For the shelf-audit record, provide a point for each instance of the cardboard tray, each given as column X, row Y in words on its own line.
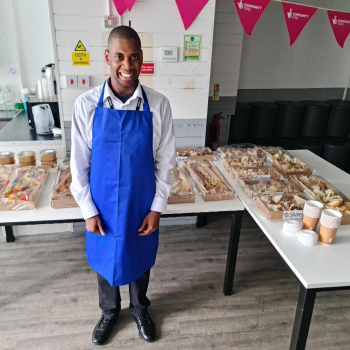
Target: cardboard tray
column 190, row 198
column 210, row 157
column 25, row 205
column 207, row 197
column 274, row 174
column 229, row 166
column 304, row 171
column 245, row 183
column 294, row 180
column 272, row 215
column 65, row 202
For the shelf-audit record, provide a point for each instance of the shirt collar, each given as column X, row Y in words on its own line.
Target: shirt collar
column 109, row 92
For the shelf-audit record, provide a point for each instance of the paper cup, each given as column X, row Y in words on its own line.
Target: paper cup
column 330, row 222
column 311, row 214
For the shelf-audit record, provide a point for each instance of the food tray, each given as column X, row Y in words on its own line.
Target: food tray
column 24, row 188
column 230, row 151
column 61, row 196
column 285, row 213
column 181, row 191
column 245, row 161
column 256, row 173
column 283, row 161
column 317, row 188
column 196, row 153
column 208, row 180
column 255, row 188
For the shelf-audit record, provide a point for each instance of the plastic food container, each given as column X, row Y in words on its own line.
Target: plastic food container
column 48, row 155
column 26, row 157
column 7, row 157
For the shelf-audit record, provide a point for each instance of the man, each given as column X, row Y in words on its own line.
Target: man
column 123, row 148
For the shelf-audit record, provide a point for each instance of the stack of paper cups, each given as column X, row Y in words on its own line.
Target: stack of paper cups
column 291, row 228
column 330, row 222
column 311, row 214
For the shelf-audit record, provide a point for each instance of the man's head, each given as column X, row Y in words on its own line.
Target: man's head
column 124, row 56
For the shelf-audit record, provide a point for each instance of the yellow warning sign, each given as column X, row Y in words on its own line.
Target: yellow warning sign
column 80, row 46
column 80, row 55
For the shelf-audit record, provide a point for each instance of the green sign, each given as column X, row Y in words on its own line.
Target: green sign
column 192, row 47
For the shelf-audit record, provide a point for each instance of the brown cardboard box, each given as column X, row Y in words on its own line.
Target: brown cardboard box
column 210, row 156
column 189, row 197
column 271, row 172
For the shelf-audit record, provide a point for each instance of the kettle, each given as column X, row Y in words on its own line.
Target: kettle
column 43, row 119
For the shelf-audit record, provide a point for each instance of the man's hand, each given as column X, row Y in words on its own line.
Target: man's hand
column 150, row 224
column 94, row 225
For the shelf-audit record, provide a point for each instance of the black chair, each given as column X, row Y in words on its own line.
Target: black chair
column 339, row 119
column 240, row 121
column 315, row 119
column 312, row 144
column 337, row 152
column 289, row 119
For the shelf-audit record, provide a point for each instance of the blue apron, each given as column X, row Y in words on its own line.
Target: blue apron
column 122, row 183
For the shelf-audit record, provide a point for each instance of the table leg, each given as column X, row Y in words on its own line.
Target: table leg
column 201, row 221
column 9, row 234
column 303, row 318
column 232, row 251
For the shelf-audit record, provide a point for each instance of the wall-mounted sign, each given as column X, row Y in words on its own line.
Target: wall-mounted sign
column 80, row 53
column 216, row 94
column 192, row 48
column 147, row 69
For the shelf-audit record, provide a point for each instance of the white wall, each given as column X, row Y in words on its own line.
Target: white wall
column 227, row 48
column 159, row 23
column 35, row 45
column 8, row 47
column 314, row 61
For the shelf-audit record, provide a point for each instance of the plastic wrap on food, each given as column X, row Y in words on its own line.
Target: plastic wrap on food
column 283, row 161
column 317, row 188
column 256, row 173
column 245, row 161
column 66, row 159
column 24, row 188
column 196, row 153
column 182, row 191
column 209, row 181
column 236, row 151
column 6, row 171
column 61, row 196
column 281, row 206
column 272, row 187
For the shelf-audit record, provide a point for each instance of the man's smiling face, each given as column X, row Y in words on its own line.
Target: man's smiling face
column 125, row 59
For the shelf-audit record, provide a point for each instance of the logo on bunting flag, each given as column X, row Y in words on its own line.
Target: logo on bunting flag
column 340, row 23
column 249, row 12
column 297, row 16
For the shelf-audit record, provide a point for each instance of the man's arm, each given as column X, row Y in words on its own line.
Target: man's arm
column 164, row 161
column 80, row 162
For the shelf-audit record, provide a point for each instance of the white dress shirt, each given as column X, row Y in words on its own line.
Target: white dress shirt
column 82, row 127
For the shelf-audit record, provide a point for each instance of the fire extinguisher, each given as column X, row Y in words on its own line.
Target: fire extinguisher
column 215, row 132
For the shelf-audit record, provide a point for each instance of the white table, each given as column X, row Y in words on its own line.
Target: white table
column 44, row 214
column 318, row 268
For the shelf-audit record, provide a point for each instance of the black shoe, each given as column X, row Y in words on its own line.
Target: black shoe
column 145, row 326
column 102, row 330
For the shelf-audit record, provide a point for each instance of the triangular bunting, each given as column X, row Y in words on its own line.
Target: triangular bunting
column 120, row 6
column 249, row 12
column 189, row 10
column 340, row 23
column 296, row 17
column 129, row 4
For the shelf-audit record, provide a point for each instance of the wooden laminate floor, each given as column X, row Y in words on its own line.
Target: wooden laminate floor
column 48, row 295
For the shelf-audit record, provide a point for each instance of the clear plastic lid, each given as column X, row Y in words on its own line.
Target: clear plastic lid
column 6, row 154
column 26, row 154
column 48, row 151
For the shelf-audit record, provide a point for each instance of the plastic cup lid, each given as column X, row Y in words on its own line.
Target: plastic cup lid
column 4, row 154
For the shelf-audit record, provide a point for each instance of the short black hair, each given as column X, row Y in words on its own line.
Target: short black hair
column 124, row 32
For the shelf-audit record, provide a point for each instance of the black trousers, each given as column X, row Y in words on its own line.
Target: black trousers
column 109, row 297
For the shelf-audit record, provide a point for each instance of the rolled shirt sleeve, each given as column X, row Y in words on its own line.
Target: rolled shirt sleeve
column 80, row 162
column 164, row 159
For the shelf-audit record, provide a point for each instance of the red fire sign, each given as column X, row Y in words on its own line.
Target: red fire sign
column 147, row 69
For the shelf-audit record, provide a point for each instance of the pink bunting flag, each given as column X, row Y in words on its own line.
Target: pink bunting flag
column 296, row 17
column 340, row 23
column 189, row 10
column 129, row 4
column 120, row 6
column 249, row 12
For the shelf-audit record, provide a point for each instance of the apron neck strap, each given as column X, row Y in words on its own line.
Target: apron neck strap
column 145, row 100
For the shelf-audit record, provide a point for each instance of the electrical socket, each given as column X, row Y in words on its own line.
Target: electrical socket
column 83, row 81
column 72, row 81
